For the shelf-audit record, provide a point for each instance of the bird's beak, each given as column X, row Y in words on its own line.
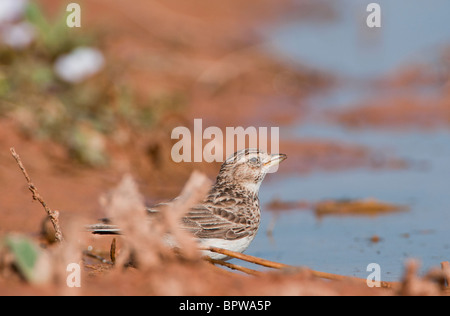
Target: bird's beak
column 274, row 160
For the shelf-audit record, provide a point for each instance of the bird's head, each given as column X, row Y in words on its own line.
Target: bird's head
column 248, row 167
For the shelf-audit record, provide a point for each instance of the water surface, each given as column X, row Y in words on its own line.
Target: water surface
column 412, row 31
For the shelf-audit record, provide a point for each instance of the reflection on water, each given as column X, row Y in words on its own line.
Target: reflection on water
column 412, row 30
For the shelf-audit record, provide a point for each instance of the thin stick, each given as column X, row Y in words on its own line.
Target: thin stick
column 99, row 258
column 234, row 266
column 112, row 251
column 276, row 265
column 53, row 215
column 220, row 270
column 248, row 258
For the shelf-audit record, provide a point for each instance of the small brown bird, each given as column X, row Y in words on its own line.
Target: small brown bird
column 229, row 217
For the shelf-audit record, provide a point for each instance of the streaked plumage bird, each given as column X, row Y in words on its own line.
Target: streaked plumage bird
column 229, row 216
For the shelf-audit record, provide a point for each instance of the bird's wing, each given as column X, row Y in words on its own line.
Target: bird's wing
column 208, row 221
column 203, row 221
column 212, row 221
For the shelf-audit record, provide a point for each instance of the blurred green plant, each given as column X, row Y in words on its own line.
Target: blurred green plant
column 31, row 262
column 81, row 116
column 54, row 38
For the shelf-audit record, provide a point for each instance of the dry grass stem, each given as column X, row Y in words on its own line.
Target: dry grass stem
column 112, row 251
column 98, row 257
column 53, row 215
column 235, row 267
column 248, row 258
column 276, row 265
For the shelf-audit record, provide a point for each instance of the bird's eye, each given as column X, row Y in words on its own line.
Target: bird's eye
column 254, row 160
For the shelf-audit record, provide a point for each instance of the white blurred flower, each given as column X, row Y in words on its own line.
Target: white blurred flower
column 19, row 35
column 11, row 10
column 79, row 65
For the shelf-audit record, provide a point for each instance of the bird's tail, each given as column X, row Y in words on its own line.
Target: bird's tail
column 103, row 228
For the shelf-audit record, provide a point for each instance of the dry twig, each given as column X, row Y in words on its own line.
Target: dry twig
column 234, row 266
column 98, row 257
column 53, row 215
column 112, row 251
column 276, row 265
